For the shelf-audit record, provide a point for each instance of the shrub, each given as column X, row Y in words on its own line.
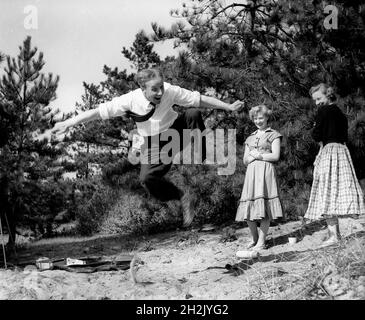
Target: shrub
column 357, row 144
column 134, row 214
column 214, row 198
column 40, row 204
column 295, row 200
column 91, row 211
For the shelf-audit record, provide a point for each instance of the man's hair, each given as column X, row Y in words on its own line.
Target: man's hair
column 145, row 75
column 261, row 108
column 327, row 90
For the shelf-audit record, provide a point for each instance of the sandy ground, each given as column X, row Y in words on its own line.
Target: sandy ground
column 192, row 265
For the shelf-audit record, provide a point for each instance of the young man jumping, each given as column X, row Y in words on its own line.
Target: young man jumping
column 150, row 107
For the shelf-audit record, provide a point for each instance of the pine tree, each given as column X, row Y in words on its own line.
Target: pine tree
column 141, row 53
column 25, row 94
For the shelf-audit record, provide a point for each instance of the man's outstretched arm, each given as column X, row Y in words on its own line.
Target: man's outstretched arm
column 83, row 117
column 214, row 103
column 61, row 128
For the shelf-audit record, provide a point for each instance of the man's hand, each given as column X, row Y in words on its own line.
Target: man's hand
column 57, row 133
column 236, row 106
column 60, row 128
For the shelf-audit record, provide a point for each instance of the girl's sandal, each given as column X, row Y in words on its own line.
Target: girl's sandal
column 251, row 245
column 259, row 248
column 329, row 242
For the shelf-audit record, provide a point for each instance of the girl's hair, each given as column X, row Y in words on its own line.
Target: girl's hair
column 327, row 90
column 261, row 108
column 145, row 75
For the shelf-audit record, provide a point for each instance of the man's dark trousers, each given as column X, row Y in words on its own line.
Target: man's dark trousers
column 152, row 174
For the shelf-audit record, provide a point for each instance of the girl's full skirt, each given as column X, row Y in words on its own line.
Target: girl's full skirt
column 335, row 189
column 260, row 196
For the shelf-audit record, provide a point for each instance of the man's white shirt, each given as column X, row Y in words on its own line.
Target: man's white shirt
column 164, row 115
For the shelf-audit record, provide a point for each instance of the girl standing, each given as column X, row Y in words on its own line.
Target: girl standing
column 260, row 202
column 335, row 191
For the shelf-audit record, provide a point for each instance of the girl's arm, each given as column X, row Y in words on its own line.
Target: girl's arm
column 274, row 155
column 247, row 158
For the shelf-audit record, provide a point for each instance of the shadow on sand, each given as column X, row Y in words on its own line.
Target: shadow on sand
column 288, row 256
column 300, row 233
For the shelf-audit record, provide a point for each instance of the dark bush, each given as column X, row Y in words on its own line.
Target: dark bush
column 92, row 210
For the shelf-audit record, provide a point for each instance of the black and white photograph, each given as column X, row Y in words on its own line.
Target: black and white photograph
column 191, row 151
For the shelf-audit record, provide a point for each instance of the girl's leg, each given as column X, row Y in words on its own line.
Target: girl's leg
column 263, row 230
column 334, row 230
column 254, row 233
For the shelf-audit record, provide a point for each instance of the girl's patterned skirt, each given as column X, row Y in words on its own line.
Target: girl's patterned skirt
column 260, row 195
column 335, row 189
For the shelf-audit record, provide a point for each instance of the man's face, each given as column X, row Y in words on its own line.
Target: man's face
column 153, row 90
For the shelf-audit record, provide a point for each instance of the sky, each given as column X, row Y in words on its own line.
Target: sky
column 79, row 37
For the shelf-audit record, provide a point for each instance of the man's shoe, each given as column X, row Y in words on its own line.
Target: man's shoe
column 188, row 213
